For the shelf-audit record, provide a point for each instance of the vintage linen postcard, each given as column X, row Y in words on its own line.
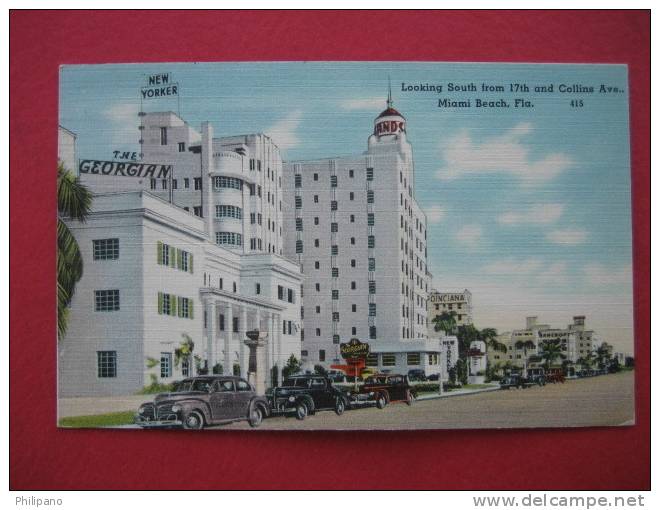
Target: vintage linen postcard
column 344, row 246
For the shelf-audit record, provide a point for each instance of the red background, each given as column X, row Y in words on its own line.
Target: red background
column 44, row 457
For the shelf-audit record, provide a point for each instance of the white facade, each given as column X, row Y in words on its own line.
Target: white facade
column 459, row 303
column 66, row 148
column 355, row 228
column 197, row 252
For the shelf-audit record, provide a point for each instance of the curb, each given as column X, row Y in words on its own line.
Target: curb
column 457, row 394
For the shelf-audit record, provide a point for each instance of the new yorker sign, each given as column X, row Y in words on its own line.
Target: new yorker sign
column 124, row 169
column 159, row 85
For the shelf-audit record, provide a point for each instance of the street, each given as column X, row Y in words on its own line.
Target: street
column 594, row 401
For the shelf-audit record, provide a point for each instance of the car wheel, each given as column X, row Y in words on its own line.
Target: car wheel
column 381, row 401
column 340, row 407
column 301, row 411
column 256, row 417
column 193, row 421
column 409, row 398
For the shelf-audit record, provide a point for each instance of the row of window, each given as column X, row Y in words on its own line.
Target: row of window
column 333, row 178
column 228, row 211
column 336, row 338
column 221, row 182
column 231, row 238
column 176, row 306
column 284, row 294
column 106, row 365
column 197, row 183
column 170, row 256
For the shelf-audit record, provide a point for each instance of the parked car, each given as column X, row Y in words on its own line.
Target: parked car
column 554, row 375
column 201, row 401
column 434, row 377
column 337, row 376
column 512, row 381
column 306, row 394
column 382, row 389
column 416, row 374
column 536, row 376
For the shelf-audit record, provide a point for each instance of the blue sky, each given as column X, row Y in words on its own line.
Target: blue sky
column 527, row 208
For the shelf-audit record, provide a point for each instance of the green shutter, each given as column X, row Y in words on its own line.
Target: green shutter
column 172, row 257
column 190, row 309
column 180, row 307
column 160, row 302
column 159, row 253
column 190, row 263
column 172, row 304
column 179, row 262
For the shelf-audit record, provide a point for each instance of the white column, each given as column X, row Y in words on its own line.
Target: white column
column 227, row 365
column 210, row 333
column 279, row 324
column 270, row 319
column 242, row 328
column 207, row 181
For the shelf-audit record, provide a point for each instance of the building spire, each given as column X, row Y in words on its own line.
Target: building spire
column 389, row 92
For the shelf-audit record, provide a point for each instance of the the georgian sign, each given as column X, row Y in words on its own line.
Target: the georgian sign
column 354, row 349
column 124, row 169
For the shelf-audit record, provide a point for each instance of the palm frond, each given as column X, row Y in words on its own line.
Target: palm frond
column 74, row 200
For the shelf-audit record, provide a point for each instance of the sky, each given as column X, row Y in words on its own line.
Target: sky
column 528, row 208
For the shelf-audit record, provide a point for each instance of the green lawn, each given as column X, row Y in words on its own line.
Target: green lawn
column 99, row 420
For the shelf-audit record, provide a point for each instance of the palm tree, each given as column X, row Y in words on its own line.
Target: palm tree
column 524, row 345
column 489, row 336
column 446, row 322
column 550, row 351
column 73, row 202
column 603, row 355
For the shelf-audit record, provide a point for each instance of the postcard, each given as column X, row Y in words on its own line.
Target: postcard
column 344, row 246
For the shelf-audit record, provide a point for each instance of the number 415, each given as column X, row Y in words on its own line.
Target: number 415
column 577, row 103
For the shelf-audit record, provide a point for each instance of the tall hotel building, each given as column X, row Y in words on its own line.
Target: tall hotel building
column 195, row 252
column 360, row 237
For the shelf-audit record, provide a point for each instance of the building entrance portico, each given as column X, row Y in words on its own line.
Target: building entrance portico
column 227, row 319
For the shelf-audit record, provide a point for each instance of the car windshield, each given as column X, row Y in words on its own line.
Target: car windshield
column 296, row 382
column 195, row 385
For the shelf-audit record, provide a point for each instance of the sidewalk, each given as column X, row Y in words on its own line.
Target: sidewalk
column 87, row 406
column 456, row 393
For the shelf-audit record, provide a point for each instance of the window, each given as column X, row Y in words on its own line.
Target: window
column 316, row 199
column 304, row 353
column 298, row 202
column 106, row 363
column 335, row 339
column 371, row 241
column 334, row 227
column 316, row 220
column 413, row 358
column 175, row 184
column 370, row 174
column 221, row 322
column 370, row 219
column 333, row 181
column 163, row 136
column 185, row 367
column 372, row 287
column 351, row 173
column 389, row 359
column 351, row 196
column 290, row 296
column 228, row 211
column 165, row 364
column 231, row 238
column 257, row 288
column 185, row 307
column 372, row 332
column 299, row 224
column 106, row 249
column 353, row 263
column 234, row 286
column 197, row 183
column 299, row 246
column 153, row 183
column 352, row 240
column 335, row 294
column 235, row 324
column 433, row 359
column 182, row 146
column 280, row 292
column 335, row 316
column 298, row 180
column 318, row 287
column 197, row 210
column 316, row 177
column 220, row 182
column 333, row 205
column 318, row 331
column 372, row 264
column 335, row 272
column 372, row 360
column 186, row 182
column 353, row 308
column 317, row 243
column 370, row 197
column 372, row 309
column 334, row 249
column 164, row 183
column 318, row 309
column 353, row 330
column 322, row 355
column 352, row 218
column 106, row 300
column 353, row 285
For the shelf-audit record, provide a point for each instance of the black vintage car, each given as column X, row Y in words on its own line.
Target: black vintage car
column 306, row 394
column 512, row 381
column 202, row 401
column 382, row 389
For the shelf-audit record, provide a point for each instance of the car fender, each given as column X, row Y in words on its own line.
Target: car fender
column 308, row 401
column 199, row 405
column 260, row 403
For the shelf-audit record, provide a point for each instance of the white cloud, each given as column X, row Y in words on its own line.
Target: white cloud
column 366, row 103
column 504, row 154
column 122, row 112
column 123, row 124
column 284, row 131
column 435, row 214
column 513, row 267
column 554, row 275
column 567, row 236
column 599, row 274
column 469, row 235
column 537, row 214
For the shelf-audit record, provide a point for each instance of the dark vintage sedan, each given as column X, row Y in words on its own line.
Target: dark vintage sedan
column 202, row 401
column 382, row 389
column 306, row 394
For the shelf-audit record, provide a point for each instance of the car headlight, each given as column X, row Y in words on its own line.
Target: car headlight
column 141, row 410
column 176, row 408
column 292, row 399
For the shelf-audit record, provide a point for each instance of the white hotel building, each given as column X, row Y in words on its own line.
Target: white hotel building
column 360, row 237
column 197, row 253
